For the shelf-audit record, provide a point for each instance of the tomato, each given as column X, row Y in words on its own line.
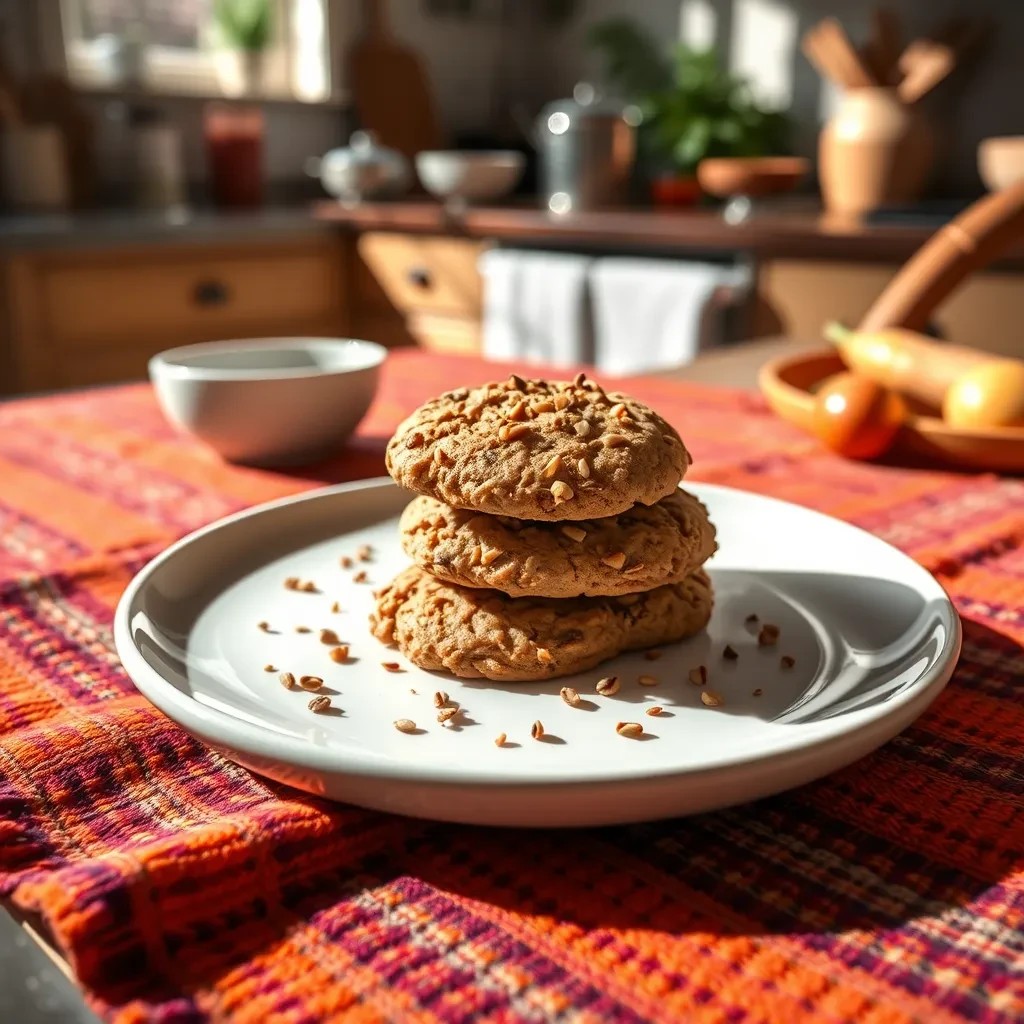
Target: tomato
column 856, row 417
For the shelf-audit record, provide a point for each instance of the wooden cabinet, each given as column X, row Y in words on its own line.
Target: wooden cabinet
column 95, row 316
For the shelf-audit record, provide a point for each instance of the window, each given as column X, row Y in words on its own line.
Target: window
column 172, row 46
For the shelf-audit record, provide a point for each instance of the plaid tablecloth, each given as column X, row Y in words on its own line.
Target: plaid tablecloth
column 181, row 887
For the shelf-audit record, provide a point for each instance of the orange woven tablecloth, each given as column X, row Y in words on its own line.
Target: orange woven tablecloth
column 183, row 888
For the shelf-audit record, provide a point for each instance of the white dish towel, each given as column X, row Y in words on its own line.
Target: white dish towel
column 650, row 314
column 536, row 307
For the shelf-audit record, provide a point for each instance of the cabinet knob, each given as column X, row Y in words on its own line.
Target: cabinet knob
column 418, row 277
column 210, row 293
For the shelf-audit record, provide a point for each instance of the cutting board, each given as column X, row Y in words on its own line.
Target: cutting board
column 390, row 87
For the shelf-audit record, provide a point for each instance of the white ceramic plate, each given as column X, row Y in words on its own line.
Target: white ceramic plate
column 873, row 636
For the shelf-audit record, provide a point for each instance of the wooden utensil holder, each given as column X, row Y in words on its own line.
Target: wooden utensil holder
column 875, row 150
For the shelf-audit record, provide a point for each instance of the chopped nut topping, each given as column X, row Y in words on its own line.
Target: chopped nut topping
column 616, row 560
column 490, row 555
column 291, row 583
column 655, row 711
column 583, row 468
column 440, row 698
column 269, row 668
column 303, row 629
column 364, row 552
column 542, row 406
column 710, row 698
column 339, row 653
column 335, row 607
column 544, row 656
column 582, row 428
column 537, row 729
column 309, row 587
column 287, row 680
column 768, row 636
column 619, row 410
column 570, row 696
column 647, row 680
column 615, row 440
column 751, row 619
column 518, row 412
column 510, row 431
column 637, row 567
column 265, row 626
column 698, row 676
column 562, row 402
column 561, row 491
column 552, row 467
column 391, row 666
column 499, row 740
column 758, row 692
column 405, row 725
column 730, row 653
column 652, row 655
column 360, row 577
column 446, row 714
column 517, row 382
column 786, row 661
column 345, row 562
column 608, row 686
column 574, row 533
column 631, row 730
column 318, row 705
column 310, row 682
column 476, row 555
column 329, row 637
column 579, row 379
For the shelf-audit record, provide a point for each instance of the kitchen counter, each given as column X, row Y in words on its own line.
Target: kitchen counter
column 786, row 229
column 142, row 227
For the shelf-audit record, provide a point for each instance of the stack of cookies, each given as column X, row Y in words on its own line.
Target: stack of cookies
column 549, row 533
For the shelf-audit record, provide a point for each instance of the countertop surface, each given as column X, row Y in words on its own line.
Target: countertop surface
column 786, row 228
column 140, row 227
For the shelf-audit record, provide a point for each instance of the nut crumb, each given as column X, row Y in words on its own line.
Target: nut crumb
column 499, row 740
column 582, row 428
column 490, row 555
column 583, row 468
column 440, row 698
column 655, row 711
column 345, row 562
column 608, row 686
column 265, row 626
column 711, row 699
column 291, row 583
column 318, row 705
column 361, row 577
column 391, row 666
column 646, row 680
column 562, row 402
column 615, row 440
column 516, row 382
column 518, row 412
column 310, row 682
column 618, row 410
column 269, row 668
column 631, row 730
column 405, row 725
column 364, row 552
column 730, row 653
column 575, row 533
column 751, row 619
column 309, row 587
column 329, row 637
column 339, row 653
column 698, row 676
column 552, row 467
column 543, row 406
column 758, row 692
column 287, row 680
column 303, row 629
column 652, row 655
column 579, row 379
column 561, row 491
column 544, row 656
column 537, row 729
column 335, row 607
column 510, row 431
column 412, row 691
column 786, row 661
column 768, row 636
column 616, row 560
column 570, row 696
column 446, row 714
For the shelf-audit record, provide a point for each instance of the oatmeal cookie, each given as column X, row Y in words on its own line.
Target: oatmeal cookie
column 640, row 549
column 535, row 449
column 485, row 634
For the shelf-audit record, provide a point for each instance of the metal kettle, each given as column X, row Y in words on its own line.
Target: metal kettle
column 586, row 146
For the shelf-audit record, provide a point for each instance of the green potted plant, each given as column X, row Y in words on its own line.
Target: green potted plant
column 243, row 30
column 692, row 108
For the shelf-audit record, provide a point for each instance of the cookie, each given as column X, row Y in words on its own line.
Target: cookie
column 484, row 634
column 642, row 548
column 538, row 450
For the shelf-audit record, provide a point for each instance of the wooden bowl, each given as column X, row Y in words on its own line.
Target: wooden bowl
column 750, row 176
column 789, row 383
column 1001, row 161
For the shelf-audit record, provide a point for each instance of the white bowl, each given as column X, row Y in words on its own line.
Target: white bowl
column 470, row 175
column 1001, row 161
column 269, row 401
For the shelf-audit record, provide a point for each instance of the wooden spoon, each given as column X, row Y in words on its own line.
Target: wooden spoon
column 924, row 64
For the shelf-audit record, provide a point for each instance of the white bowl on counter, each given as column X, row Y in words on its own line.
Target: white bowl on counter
column 269, row 401
column 473, row 176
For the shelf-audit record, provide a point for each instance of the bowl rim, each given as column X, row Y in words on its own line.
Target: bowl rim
column 165, row 364
column 492, row 156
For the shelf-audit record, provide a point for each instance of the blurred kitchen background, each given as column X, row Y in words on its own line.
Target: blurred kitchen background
column 568, row 181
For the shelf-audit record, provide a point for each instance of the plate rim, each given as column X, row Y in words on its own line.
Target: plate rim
column 234, row 735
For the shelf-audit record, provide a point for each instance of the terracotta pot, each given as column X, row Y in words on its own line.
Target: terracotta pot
column 874, row 151
column 675, row 190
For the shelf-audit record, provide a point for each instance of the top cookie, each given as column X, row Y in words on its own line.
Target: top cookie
column 534, row 449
